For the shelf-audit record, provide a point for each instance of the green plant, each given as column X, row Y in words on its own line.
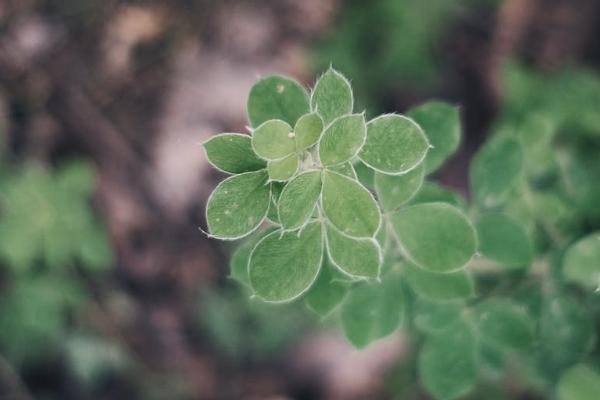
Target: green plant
column 512, row 291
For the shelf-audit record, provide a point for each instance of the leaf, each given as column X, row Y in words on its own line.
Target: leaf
column 441, row 123
column 504, row 324
column 298, row 199
column 582, row 262
column 327, row 292
column 565, row 333
column 434, row 317
column 277, row 97
column 579, row 383
column 366, row 176
column 395, row 190
column 284, row 266
column 308, row 130
column 283, row 169
column 342, row 139
column 447, row 363
column 442, row 287
column 238, row 264
column 435, row 236
column 349, row 206
column 504, row 240
column 373, row 310
column 238, row 205
column 494, row 169
column 345, row 169
column 432, row 192
column 394, row 145
column 273, row 140
column 276, row 189
column 359, row 258
column 332, row 96
column 232, row 153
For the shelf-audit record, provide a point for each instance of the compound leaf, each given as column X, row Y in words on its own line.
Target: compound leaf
column 395, row 144
column 284, row 266
column 342, row 139
column 273, row 140
column 582, row 261
column 308, row 130
column 232, row 153
column 436, row 236
column 277, row 97
column 332, row 96
column 238, row 205
column 373, row 310
column 359, row 258
column 504, row 240
column 395, row 190
column 441, row 123
column 441, row 287
column 349, row 206
column 283, row 169
column 298, row 199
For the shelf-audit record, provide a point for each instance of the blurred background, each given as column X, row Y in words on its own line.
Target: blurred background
column 108, row 289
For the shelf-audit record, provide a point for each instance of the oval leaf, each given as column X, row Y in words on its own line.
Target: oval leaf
column 442, row 287
column 434, row 317
column 436, row 236
column 579, row 383
column 232, row 153
column 238, row 205
column 298, row 199
column 373, row 310
column 447, row 363
column 504, row 240
column 441, row 123
column 349, row 206
column 332, row 96
column 282, row 267
column 277, row 97
column 342, row 139
column 582, row 262
column 395, row 144
column 308, row 130
column 359, row 258
column 273, row 140
column 504, row 325
column 328, row 291
column 395, row 190
column 283, row 169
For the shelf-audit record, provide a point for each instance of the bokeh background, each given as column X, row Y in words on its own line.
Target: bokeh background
column 108, row 289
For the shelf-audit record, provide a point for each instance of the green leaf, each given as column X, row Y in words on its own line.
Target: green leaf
column 579, row 383
column 366, row 176
column 359, row 258
column 504, row 324
column 283, row 169
column 345, row 169
column 276, row 189
column 504, row 240
column 328, row 291
column 434, row 317
column 349, row 206
column 373, row 310
column 284, row 266
column 442, row 287
column 494, row 169
column 308, row 130
column 394, row 145
column 298, row 199
column 395, row 190
column 277, row 97
column 342, row 139
column 435, row 236
column 582, row 262
column 238, row 205
column 273, row 140
column 238, row 264
column 432, row 192
column 447, row 363
column 441, row 123
column 332, row 96
column 565, row 333
column 232, row 153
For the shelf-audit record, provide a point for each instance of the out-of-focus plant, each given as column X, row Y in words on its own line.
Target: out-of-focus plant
column 361, row 234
